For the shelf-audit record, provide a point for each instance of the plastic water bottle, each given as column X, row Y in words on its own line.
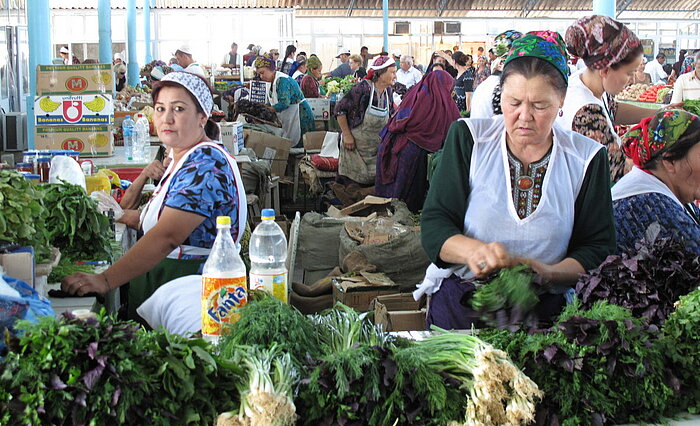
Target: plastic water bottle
column 128, row 131
column 223, row 283
column 141, row 139
column 268, row 254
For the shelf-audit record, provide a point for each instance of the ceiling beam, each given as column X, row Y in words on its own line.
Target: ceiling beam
column 528, row 7
column 623, row 6
column 441, row 7
column 351, row 7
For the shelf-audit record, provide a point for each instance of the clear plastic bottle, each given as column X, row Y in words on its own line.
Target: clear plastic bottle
column 224, row 288
column 268, row 254
column 128, row 131
column 141, row 139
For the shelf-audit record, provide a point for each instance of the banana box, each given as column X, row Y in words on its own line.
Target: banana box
column 74, row 79
column 90, row 141
column 73, row 110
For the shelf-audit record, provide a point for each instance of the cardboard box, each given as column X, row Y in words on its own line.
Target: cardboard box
column 358, row 291
column 74, row 79
column 73, row 110
column 232, row 136
column 399, row 312
column 321, row 108
column 269, row 147
column 313, row 141
column 90, row 141
column 19, row 264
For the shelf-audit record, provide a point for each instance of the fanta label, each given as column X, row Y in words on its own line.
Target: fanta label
column 221, row 299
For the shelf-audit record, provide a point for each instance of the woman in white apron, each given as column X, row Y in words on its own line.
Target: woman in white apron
column 362, row 115
column 200, row 183
column 664, row 182
column 286, row 98
column 516, row 189
column 611, row 52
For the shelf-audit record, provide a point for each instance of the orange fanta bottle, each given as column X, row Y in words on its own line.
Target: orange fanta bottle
column 224, row 288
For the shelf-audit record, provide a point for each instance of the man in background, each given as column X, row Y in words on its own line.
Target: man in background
column 344, row 68
column 231, row 58
column 407, row 74
column 656, row 68
column 184, row 58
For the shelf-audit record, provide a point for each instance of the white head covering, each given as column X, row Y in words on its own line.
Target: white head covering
column 194, row 85
column 64, row 50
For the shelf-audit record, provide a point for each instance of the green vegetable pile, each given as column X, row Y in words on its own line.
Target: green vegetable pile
column 67, row 267
column 681, row 344
column 352, row 373
column 692, row 105
column 507, row 301
column 596, row 366
column 105, row 371
column 21, row 214
column 339, row 84
column 74, row 223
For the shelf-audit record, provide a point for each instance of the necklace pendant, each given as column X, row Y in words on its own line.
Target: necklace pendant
column 525, row 183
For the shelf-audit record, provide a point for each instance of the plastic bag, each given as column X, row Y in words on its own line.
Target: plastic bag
column 106, row 203
column 67, row 169
column 28, row 306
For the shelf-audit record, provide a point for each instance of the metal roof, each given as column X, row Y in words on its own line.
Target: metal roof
column 439, row 9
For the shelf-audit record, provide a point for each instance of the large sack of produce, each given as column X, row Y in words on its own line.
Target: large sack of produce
column 401, row 258
column 319, row 239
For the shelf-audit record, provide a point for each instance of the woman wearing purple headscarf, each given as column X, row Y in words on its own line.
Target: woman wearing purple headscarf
column 418, row 128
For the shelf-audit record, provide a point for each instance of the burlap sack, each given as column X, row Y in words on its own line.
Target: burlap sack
column 401, row 259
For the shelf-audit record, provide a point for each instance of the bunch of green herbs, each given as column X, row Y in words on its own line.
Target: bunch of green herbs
column 681, row 344
column 22, row 214
column 508, row 300
column 74, row 223
column 595, row 366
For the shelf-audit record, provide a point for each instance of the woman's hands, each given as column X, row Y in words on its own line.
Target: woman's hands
column 131, row 218
column 485, row 258
column 348, row 141
column 81, row 284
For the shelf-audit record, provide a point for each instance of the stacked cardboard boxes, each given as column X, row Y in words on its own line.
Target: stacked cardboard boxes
column 74, row 108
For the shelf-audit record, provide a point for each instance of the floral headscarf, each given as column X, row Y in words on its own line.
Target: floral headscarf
column 265, row 61
column 688, row 64
column 545, row 45
column 313, row 62
column 379, row 64
column 504, row 41
column 600, row 41
column 655, row 133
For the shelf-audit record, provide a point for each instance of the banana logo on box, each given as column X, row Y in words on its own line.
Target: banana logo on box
column 96, row 105
column 102, row 78
column 47, row 105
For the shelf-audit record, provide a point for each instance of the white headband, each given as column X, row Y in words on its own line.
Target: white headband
column 194, row 85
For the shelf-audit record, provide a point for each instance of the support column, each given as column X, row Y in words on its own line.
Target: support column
column 604, row 7
column 147, row 29
column 39, row 34
column 133, row 69
column 104, row 22
column 385, row 13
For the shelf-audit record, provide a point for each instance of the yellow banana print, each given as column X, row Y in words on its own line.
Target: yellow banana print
column 48, row 105
column 96, row 105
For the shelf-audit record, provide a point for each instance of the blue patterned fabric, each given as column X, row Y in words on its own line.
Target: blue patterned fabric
column 289, row 93
column 205, row 185
column 634, row 214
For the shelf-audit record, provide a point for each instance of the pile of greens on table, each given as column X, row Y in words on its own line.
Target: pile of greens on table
column 53, row 215
column 274, row 367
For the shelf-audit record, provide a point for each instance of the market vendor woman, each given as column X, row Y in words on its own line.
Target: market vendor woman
column 286, row 98
column 516, row 189
column 179, row 222
column 362, row 114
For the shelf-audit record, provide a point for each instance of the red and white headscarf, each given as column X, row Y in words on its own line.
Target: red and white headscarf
column 379, row 64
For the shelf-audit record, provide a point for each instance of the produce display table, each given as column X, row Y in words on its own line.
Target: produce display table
column 645, row 104
column 118, row 160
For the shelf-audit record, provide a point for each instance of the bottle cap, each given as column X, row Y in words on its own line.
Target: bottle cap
column 268, row 214
column 128, row 117
column 223, row 220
